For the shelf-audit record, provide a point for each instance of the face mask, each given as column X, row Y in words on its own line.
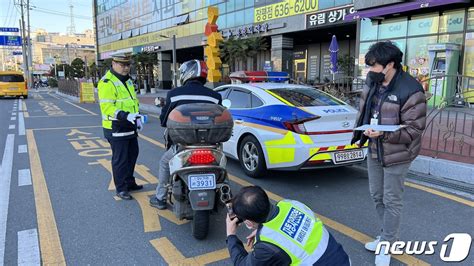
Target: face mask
column 376, row 77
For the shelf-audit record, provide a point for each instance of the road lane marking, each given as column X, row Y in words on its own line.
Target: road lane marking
column 5, row 182
column 13, row 118
column 13, row 114
column 61, row 128
column 83, row 109
column 25, row 110
column 50, row 243
column 21, row 105
column 352, row 233
column 157, row 143
column 21, row 125
column 43, row 116
column 441, row 194
column 28, row 249
column 24, row 177
column 11, row 127
column 22, row 148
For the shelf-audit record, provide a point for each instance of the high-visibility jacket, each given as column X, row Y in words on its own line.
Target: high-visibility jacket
column 114, row 97
column 297, row 231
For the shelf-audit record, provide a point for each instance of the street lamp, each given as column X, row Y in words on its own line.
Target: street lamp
column 174, row 58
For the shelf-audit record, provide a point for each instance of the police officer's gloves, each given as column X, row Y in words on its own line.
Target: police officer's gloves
column 139, row 123
column 133, row 117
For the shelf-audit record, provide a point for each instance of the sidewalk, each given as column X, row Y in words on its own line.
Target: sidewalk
column 147, row 101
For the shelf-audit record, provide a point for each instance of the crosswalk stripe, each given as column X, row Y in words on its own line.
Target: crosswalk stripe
column 22, row 148
column 28, row 248
column 11, row 127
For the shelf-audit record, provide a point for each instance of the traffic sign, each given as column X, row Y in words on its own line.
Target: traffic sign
column 3, row 29
column 10, row 40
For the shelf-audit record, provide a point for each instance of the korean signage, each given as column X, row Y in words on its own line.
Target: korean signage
column 9, row 29
column 87, row 92
column 283, row 9
column 328, row 17
column 10, row 40
column 245, row 31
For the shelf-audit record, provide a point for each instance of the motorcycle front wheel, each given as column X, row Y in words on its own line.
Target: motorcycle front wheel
column 200, row 224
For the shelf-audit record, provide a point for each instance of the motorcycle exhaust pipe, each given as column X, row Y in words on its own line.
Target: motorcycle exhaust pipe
column 225, row 196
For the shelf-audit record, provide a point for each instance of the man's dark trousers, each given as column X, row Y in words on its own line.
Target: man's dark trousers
column 124, row 158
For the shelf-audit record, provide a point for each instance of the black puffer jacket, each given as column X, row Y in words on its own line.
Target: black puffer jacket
column 403, row 103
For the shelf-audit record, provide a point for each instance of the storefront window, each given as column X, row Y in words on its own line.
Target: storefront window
column 452, row 21
column 221, row 22
column 363, row 69
column 393, row 28
column 230, row 5
column 230, row 20
column 421, row 25
column 470, row 19
column 221, row 8
column 417, row 56
column 239, row 4
column 451, row 38
column 249, row 3
column 368, row 30
column 469, row 55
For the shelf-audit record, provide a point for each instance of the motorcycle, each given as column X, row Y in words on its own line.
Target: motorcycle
column 199, row 182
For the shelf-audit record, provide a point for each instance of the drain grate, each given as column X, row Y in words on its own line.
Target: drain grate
column 466, row 188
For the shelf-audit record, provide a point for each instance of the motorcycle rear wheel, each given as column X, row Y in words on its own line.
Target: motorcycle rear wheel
column 200, row 224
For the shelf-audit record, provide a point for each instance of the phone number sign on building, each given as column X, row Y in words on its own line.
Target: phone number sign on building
column 328, row 17
column 283, row 9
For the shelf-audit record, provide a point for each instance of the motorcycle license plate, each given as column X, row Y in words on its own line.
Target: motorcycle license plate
column 202, row 181
column 348, row 156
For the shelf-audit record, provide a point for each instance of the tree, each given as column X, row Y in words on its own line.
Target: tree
column 77, row 66
column 144, row 63
column 346, row 64
column 237, row 50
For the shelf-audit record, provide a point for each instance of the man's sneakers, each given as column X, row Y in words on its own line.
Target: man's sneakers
column 159, row 204
column 372, row 246
column 124, row 195
column 381, row 259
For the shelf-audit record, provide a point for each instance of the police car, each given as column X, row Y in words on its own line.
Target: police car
column 283, row 126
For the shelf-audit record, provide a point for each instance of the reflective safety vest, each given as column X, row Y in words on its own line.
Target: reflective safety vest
column 114, row 97
column 297, row 231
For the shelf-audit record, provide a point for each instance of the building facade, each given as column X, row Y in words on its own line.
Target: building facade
column 415, row 26
column 298, row 31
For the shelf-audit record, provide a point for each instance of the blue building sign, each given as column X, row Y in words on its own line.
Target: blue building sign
column 10, row 40
column 2, row 29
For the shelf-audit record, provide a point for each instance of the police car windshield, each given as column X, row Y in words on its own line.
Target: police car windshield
column 305, row 97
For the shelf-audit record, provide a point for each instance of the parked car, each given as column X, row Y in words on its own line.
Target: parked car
column 283, row 126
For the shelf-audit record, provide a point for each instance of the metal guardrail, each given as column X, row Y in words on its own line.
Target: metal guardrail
column 69, row 87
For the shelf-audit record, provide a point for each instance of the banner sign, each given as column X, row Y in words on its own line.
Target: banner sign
column 329, row 17
column 87, row 92
column 283, row 9
column 2, row 29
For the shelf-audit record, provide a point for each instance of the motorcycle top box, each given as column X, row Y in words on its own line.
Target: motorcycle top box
column 199, row 123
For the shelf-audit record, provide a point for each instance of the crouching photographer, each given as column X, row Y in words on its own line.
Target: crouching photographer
column 282, row 234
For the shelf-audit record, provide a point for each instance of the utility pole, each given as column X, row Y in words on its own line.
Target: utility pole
column 175, row 74
column 23, row 35
column 30, row 54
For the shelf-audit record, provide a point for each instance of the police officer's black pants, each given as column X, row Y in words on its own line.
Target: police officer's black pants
column 124, row 158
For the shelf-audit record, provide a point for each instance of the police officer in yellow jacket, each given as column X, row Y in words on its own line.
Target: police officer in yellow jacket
column 287, row 233
column 120, row 120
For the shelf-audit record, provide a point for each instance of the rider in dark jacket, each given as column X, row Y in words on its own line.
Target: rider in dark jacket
column 192, row 74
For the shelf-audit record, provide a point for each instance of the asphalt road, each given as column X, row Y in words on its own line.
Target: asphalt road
column 58, row 206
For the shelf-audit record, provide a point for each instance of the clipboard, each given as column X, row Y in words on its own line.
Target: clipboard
column 383, row 128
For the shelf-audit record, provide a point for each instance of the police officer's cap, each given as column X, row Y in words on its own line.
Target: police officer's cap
column 122, row 58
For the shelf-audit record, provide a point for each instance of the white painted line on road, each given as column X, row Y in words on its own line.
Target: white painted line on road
column 21, row 105
column 11, row 127
column 24, row 177
column 28, row 248
column 13, row 118
column 22, row 148
column 21, row 125
column 13, row 114
column 5, row 181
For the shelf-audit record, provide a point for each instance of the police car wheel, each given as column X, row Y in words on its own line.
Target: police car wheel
column 251, row 157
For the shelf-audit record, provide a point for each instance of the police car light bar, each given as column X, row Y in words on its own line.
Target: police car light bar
column 259, row 76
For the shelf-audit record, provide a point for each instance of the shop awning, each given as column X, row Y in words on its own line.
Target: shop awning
column 399, row 8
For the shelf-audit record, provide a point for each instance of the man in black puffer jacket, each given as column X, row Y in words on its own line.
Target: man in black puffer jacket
column 192, row 74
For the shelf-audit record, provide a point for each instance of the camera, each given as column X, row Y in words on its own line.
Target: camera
column 231, row 213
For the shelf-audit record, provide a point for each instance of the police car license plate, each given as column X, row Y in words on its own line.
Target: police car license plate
column 202, row 181
column 348, row 156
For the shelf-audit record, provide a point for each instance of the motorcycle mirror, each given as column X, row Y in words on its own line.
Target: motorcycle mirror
column 160, row 101
column 226, row 103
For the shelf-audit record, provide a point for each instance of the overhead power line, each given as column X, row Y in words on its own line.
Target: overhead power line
column 59, row 13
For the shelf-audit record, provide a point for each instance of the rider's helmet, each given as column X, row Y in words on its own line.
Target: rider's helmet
column 193, row 70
